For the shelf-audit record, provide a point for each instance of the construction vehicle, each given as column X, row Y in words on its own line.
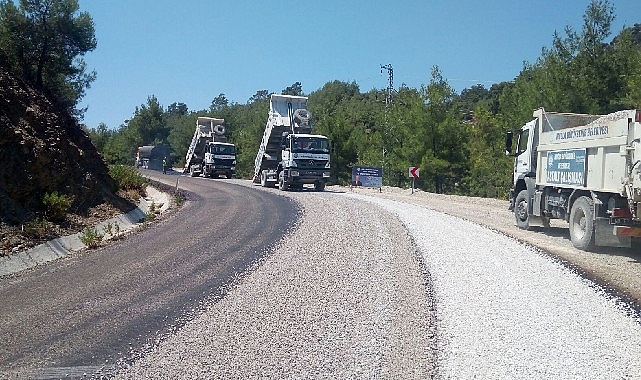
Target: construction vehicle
column 153, row 156
column 289, row 155
column 584, row 169
column 209, row 153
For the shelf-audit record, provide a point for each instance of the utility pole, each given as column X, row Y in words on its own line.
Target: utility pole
column 390, row 84
column 388, row 102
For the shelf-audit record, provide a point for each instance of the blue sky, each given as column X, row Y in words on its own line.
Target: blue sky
column 190, row 51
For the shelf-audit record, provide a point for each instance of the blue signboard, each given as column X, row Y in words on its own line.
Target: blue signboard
column 367, row 176
column 566, row 167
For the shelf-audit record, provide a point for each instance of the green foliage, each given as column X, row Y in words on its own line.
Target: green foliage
column 128, row 178
column 38, row 229
column 181, row 131
column 295, row 89
column 245, row 127
column 91, row 237
column 151, row 214
column 56, row 205
column 219, row 103
column 44, row 41
column 100, row 136
column 489, row 173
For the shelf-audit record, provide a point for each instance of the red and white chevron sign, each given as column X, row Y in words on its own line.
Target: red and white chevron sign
column 414, row 171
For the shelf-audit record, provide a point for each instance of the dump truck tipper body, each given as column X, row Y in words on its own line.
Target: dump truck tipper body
column 209, row 152
column 289, row 155
column 585, row 169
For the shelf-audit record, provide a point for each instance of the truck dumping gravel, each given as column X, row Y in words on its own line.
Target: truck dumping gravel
column 366, row 287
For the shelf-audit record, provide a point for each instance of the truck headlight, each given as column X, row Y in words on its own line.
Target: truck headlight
column 326, row 174
column 327, row 165
column 294, row 173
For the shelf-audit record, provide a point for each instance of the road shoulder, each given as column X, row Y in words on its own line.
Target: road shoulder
column 156, row 202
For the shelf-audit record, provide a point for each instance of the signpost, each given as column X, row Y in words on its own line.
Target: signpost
column 414, row 170
column 367, row 176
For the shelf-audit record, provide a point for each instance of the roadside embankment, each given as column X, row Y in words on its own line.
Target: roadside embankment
column 156, row 202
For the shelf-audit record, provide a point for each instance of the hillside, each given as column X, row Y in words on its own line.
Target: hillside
column 44, row 149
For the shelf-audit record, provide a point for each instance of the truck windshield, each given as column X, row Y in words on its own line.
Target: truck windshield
column 223, row 149
column 310, row 145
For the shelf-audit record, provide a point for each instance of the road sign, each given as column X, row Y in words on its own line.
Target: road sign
column 367, row 176
column 414, row 171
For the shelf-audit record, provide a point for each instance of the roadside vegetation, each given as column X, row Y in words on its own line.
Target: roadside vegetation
column 131, row 184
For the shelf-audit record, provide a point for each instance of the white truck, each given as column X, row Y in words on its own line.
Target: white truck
column 209, row 152
column 584, row 169
column 289, row 155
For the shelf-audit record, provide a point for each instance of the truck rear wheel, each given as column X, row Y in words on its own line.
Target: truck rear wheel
column 582, row 223
column 521, row 210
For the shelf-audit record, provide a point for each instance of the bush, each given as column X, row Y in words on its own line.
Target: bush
column 38, row 229
column 56, row 205
column 127, row 178
column 91, row 237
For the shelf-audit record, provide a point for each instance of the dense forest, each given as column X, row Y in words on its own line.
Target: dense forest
column 456, row 139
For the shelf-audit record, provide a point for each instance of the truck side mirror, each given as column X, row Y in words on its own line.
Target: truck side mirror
column 508, row 143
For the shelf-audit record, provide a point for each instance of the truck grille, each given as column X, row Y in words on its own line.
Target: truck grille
column 311, row 164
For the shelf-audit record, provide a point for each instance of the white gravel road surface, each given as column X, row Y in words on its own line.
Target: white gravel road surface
column 373, row 288
column 505, row 311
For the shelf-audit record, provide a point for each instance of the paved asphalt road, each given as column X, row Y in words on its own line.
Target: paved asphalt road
column 90, row 310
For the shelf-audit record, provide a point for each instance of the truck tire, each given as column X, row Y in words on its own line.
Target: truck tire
column 319, row 186
column 263, row 179
column 282, row 185
column 582, row 223
column 521, row 210
column 191, row 171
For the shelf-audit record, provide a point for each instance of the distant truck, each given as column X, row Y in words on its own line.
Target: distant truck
column 209, row 153
column 584, row 169
column 152, row 156
column 289, row 155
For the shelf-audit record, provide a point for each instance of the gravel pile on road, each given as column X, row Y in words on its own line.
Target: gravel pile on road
column 506, row 311
column 343, row 296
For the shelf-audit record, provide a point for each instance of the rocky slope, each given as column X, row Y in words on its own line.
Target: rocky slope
column 44, row 149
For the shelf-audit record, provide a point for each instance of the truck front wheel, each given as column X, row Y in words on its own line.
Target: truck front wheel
column 582, row 223
column 263, row 179
column 521, row 210
column 282, row 185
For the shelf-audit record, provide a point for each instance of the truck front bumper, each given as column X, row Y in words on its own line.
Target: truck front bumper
column 307, row 176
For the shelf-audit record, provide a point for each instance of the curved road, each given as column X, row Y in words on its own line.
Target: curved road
column 85, row 312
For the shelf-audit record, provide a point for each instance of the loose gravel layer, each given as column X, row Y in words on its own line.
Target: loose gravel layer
column 368, row 287
column 344, row 296
column 506, row 311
